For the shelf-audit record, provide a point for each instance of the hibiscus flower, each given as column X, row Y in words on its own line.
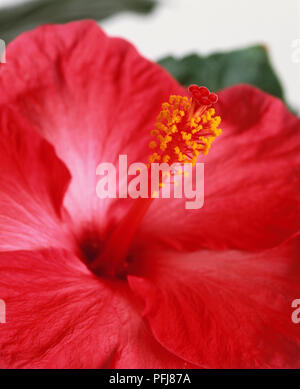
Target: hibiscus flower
column 208, row 288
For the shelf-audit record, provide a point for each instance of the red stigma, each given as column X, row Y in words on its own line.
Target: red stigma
column 202, row 96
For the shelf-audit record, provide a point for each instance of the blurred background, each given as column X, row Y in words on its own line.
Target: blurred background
column 217, row 43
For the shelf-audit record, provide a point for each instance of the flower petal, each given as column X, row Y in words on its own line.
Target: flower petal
column 58, row 315
column 226, row 309
column 91, row 96
column 251, row 180
column 33, row 182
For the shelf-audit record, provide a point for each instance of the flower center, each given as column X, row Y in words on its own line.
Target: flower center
column 89, row 245
column 185, row 127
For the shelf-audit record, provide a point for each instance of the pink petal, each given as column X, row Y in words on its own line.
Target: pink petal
column 228, row 309
column 91, row 96
column 58, row 315
column 33, row 182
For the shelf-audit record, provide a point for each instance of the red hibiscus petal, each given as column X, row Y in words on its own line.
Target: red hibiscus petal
column 228, row 309
column 32, row 185
column 91, row 96
column 58, row 315
column 252, row 180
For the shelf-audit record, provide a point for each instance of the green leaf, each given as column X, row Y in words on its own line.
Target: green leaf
column 220, row 70
column 17, row 19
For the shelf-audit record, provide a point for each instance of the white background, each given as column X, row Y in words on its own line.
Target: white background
column 180, row 27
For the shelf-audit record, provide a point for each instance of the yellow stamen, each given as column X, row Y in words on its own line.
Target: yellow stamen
column 183, row 130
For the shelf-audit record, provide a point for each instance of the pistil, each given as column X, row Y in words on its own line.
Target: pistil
column 185, row 127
